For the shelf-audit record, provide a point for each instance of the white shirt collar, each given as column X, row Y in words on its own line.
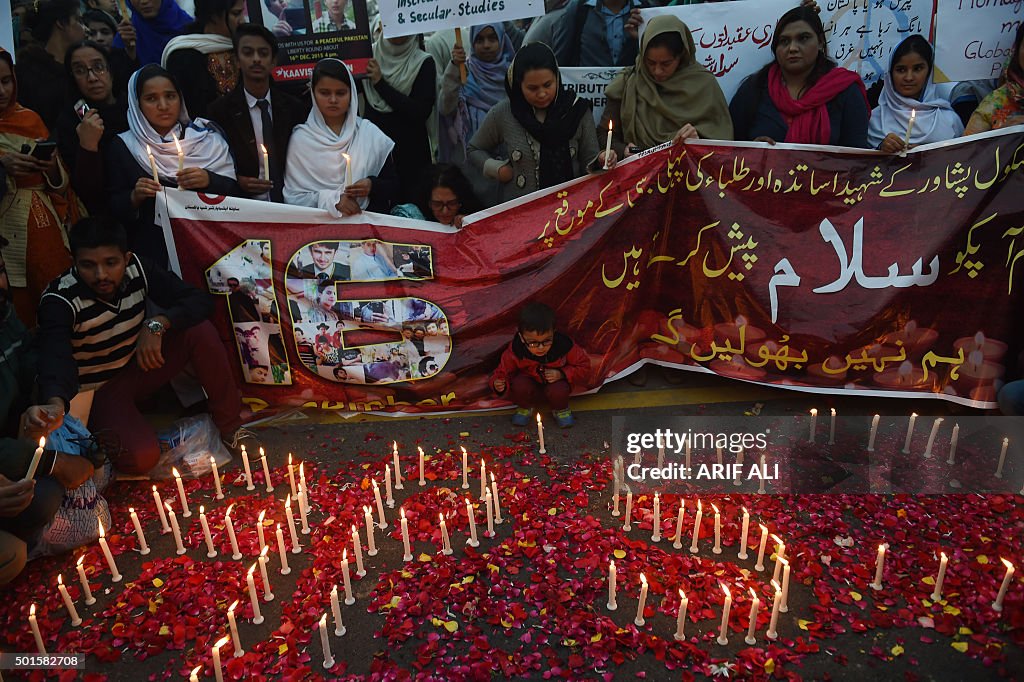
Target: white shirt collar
column 251, row 100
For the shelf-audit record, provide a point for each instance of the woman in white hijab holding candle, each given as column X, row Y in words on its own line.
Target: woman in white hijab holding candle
column 337, row 161
column 163, row 147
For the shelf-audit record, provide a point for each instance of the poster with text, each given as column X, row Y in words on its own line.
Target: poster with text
column 590, row 82
column 409, row 17
column 974, row 38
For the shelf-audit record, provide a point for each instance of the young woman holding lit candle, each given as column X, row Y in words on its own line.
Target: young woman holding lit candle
column 158, row 125
column 317, row 174
column 909, row 91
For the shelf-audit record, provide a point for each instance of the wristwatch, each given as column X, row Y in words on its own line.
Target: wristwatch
column 155, row 326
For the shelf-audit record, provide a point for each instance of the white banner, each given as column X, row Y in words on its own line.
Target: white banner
column 973, row 38
column 6, row 28
column 409, row 17
column 589, row 82
column 734, row 38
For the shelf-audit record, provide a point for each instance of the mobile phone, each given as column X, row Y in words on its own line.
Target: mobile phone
column 44, row 150
column 81, row 109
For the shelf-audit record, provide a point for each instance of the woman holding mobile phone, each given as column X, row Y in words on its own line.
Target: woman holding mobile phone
column 38, row 204
column 85, row 128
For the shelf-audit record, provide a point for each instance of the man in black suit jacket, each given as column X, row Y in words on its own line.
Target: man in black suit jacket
column 245, row 112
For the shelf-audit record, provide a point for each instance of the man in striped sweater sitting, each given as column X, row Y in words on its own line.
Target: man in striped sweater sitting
column 95, row 335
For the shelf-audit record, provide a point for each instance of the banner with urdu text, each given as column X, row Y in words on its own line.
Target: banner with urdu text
column 819, row 269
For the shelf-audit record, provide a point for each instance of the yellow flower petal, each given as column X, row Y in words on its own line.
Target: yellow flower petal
column 960, row 646
column 451, row 626
column 804, row 623
column 282, row 650
column 982, row 559
column 769, row 666
column 897, row 650
column 157, row 582
column 619, row 554
column 856, row 596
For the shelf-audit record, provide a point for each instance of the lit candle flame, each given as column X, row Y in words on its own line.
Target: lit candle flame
column 752, row 593
column 202, row 512
column 775, row 584
column 420, row 449
column 344, row 555
column 463, row 447
column 373, row 482
column 942, row 554
column 175, row 472
column 263, row 554
column 814, row 412
column 195, row 671
column 42, row 442
column 262, row 454
column 699, row 507
column 32, row 611
column 441, row 517
column 682, row 595
column 262, row 514
column 1006, row 563
column 60, row 579
column 177, row 144
column 252, row 569
column 100, row 524
column 233, row 605
column 643, row 578
column 221, row 642
column 228, row 512
column 725, row 590
column 714, row 507
column 402, row 510
column 764, row 528
column 744, row 510
column 80, row 560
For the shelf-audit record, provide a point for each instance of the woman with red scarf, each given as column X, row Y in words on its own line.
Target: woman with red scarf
column 802, row 96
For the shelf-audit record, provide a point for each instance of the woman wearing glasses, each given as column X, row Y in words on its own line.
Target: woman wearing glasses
column 445, row 196
column 91, row 118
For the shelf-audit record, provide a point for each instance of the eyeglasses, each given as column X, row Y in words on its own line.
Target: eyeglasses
column 537, row 344
column 97, row 69
column 446, row 205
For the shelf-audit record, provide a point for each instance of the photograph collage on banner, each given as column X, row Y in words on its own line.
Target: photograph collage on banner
column 390, row 340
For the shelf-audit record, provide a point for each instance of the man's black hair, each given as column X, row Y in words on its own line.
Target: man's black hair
column 97, row 231
column 255, row 31
column 536, row 317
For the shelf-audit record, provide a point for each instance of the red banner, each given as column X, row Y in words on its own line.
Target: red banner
column 819, row 269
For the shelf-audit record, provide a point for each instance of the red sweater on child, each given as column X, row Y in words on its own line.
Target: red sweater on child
column 563, row 355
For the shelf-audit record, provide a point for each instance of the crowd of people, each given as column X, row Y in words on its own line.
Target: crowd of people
column 102, row 111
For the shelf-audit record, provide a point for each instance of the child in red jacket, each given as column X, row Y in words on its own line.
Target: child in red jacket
column 540, row 360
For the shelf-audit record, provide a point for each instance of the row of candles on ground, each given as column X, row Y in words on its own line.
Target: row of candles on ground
column 932, row 435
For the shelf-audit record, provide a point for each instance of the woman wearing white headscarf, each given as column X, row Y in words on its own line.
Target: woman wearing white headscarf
column 157, row 117
column 400, row 91
column 909, row 88
column 316, row 173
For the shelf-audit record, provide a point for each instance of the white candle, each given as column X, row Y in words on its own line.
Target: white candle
column 616, row 482
column 346, row 578
column 216, row 479
column 612, row 579
column 764, row 474
column 398, row 470
column 259, row 530
column 608, row 145
column 1002, row 458
column 348, row 169
column 381, row 520
column 285, row 568
column 236, row 642
column 743, row 535
column 678, row 543
column 68, row 604
column 263, row 560
column 357, row 549
column 390, row 499
column 759, row 566
column 639, row 620
column 291, row 525
column 371, row 542
column 910, row 126
column 405, row 537
column 160, row 511
column 247, row 469
column 194, row 675
column 772, row 632
column 217, row 672
column 423, row 481
column 723, row 632
column 465, row 469
column 185, row 511
column 780, row 554
column 489, row 505
column 34, row 625
column 494, row 495
column 339, row 626
column 211, row 552
column 291, row 476
column 179, row 547
column 34, row 464
column 483, row 478
column 879, row 568
column 325, row 642
column 717, row 549
column 473, row 542
column 265, row 168
column 540, row 434
column 832, row 428
column 114, row 575
column 755, row 606
column 304, row 511
column 952, row 444
column 629, row 511
column 266, row 472
column 86, row 592
column 302, row 479
column 910, row 433
column 997, row 605
column 143, row 547
column 696, row 527
column 181, row 154
column 257, row 616
column 446, row 544
column 931, row 437
column 785, row 586
column 681, row 617
column 937, row 592
column 656, row 535
column 229, row 524
column 152, row 165
column 874, row 432
column 814, row 424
